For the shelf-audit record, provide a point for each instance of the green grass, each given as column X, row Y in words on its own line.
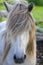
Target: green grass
column 2, row 7
column 2, row 4
column 2, row 19
column 38, row 13
column 40, row 25
column 1, row 1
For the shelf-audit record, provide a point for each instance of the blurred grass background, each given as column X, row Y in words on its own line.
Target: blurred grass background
column 37, row 10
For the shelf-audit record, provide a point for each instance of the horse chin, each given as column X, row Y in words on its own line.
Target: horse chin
column 24, row 63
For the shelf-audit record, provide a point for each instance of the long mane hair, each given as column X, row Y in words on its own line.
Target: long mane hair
column 19, row 21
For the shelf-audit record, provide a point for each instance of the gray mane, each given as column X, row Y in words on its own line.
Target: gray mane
column 19, row 19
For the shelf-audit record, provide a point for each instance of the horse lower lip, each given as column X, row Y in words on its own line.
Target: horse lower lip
column 19, row 61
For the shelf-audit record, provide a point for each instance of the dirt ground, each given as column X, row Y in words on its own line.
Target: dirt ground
column 40, row 52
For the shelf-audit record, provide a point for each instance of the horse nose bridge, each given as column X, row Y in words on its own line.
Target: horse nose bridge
column 19, row 49
column 19, row 52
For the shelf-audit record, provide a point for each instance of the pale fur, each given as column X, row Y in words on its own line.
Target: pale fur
column 19, row 32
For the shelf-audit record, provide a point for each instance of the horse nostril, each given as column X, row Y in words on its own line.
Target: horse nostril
column 14, row 57
column 24, row 56
column 19, row 60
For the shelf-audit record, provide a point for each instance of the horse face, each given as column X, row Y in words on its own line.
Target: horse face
column 19, row 28
column 19, row 46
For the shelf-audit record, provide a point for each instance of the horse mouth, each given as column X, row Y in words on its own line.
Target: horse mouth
column 19, row 61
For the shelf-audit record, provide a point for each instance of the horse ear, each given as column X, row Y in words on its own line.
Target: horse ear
column 30, row 7
column 6, row 50
column 8, row 6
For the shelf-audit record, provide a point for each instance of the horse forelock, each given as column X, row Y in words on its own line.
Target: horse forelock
column 19, row 20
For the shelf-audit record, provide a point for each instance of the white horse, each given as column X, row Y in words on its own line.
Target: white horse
column 17, row 37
